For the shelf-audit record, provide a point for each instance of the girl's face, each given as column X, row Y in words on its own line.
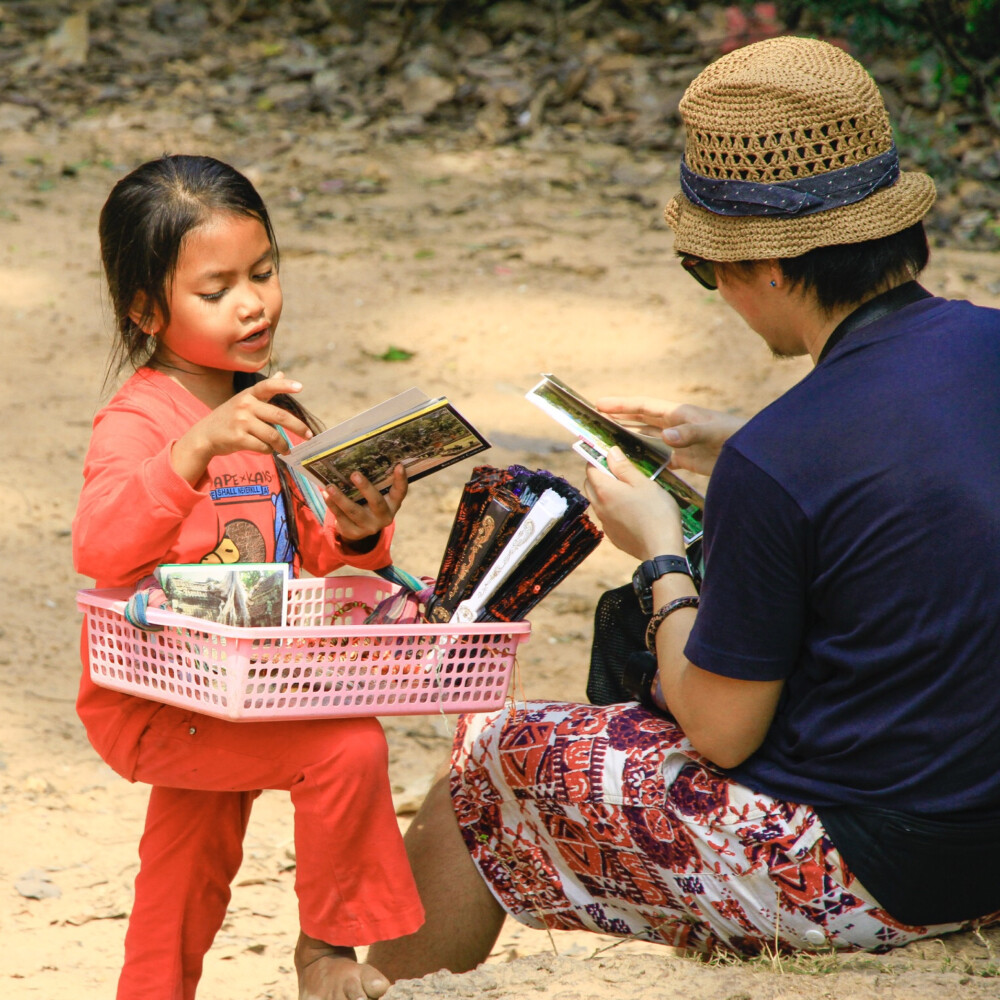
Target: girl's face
column 225, row 301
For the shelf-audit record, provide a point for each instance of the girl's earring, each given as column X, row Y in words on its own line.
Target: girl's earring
column 774, row 284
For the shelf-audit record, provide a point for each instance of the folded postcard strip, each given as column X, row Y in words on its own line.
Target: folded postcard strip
column 475, row 496
column 491, row 532
column 516, row 535
column 573, row 537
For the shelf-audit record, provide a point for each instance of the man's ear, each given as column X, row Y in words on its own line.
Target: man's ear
column 149, row 324
column 774, row 272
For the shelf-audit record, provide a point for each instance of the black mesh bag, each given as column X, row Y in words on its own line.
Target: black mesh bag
column 619, row 646
column 621, row 668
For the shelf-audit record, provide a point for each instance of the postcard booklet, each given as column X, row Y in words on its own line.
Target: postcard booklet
column 244, row 595
column 597, row 433
column 422, row 434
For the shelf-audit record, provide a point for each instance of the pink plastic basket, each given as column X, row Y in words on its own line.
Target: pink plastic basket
column 323, row 664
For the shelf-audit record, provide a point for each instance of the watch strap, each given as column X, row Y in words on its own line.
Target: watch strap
column 661, row 565
column 650, row 571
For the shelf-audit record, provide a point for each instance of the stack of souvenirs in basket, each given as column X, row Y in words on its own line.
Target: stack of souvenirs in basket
column 350, row 645
column 515, row 536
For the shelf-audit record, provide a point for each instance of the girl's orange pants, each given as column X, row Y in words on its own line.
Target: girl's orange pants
column 352, row 878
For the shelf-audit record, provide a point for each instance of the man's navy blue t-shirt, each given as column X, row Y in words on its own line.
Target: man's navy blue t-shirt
column 852, row 541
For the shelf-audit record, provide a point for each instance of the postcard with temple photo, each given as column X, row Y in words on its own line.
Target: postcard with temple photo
column 421, row 434
column 243, row 595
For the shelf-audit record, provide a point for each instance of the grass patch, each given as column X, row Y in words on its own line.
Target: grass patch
column 799, row 963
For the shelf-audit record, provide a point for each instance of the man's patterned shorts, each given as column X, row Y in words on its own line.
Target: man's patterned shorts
column 605, row 818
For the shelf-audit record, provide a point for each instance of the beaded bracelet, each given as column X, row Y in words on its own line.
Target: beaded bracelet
column 657, row 620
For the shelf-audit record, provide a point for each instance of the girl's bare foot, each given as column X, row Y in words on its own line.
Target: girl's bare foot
column 328, row 972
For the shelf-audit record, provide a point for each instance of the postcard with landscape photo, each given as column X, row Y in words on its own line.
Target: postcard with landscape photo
column 244, row 595
column 598, row 433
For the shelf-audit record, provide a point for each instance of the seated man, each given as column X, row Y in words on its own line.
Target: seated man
column 822, row 767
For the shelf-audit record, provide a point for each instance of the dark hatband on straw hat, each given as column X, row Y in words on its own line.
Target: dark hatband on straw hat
column 788, row 148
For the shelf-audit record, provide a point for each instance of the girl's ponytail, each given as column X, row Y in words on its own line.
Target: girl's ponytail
column 290, row 495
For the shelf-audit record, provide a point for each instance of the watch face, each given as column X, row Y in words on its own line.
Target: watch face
column 643, row 589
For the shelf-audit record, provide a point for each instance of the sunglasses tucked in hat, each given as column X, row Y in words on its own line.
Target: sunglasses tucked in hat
column 788, row 148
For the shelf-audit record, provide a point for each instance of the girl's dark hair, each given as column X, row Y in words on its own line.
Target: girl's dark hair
column 843, row 275
column 290, row 495
column 142, row 225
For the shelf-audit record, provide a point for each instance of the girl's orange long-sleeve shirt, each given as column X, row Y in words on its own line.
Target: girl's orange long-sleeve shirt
column 135, row 513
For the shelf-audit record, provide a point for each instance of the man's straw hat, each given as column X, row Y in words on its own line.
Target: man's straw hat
column 788, row 148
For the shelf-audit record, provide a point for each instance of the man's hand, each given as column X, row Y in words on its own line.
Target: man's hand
column 695, row 434
column 638, row 516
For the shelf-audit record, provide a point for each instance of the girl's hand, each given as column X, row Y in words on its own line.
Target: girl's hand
column 638, row 516
column 695, row 434
column 246, row 422
column 357, row 522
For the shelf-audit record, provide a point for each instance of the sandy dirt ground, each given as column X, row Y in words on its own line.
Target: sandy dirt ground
column 490, row 266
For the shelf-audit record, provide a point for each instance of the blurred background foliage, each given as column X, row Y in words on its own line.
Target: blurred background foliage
column 496, row 72
column 953, row 45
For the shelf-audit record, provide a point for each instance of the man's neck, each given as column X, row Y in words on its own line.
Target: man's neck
column 826, row 324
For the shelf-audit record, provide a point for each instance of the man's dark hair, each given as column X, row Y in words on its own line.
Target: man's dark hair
column 845, row 274
column 842, row 275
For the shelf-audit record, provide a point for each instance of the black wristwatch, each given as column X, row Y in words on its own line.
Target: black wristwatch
column 649, row 572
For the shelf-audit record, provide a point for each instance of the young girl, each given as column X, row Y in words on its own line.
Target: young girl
column 181, row 468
